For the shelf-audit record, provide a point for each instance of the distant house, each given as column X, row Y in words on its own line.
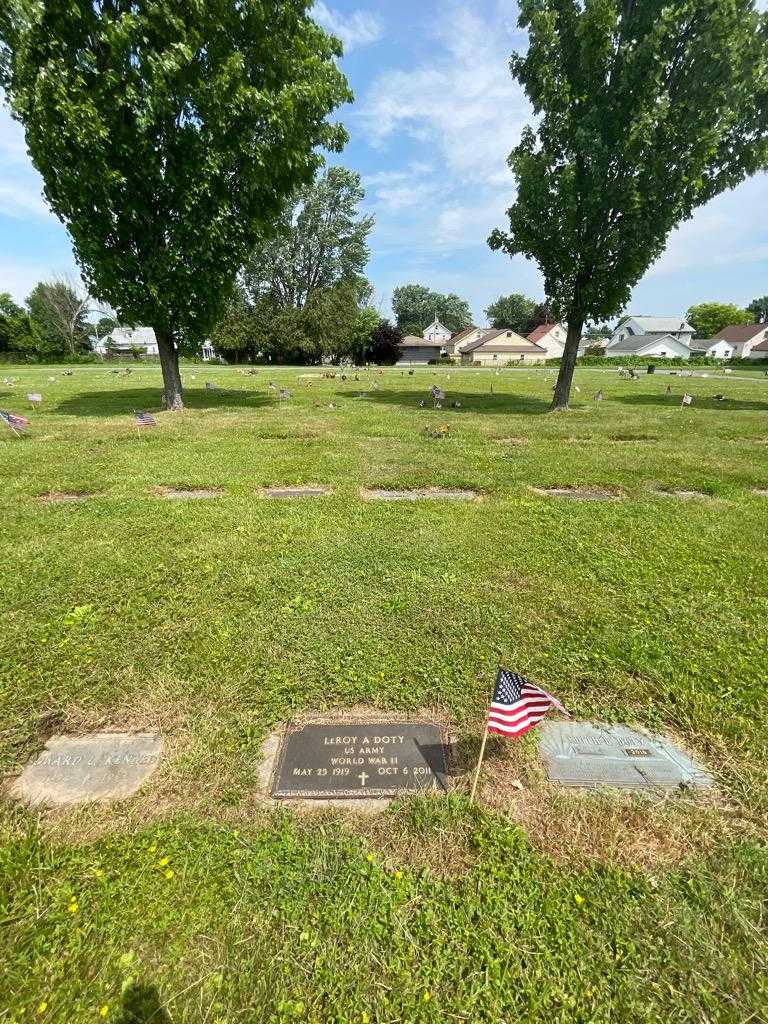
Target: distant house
column 436, row 341
column 664, row 346
column 551, row 337
column 499, row 347
column 125, row 340
column 748, row 341
column 659, row 337
column 664, row 336
column 460, row 341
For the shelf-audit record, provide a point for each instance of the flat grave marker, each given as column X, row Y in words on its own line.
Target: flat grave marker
column 577, row 493
column 593, row 754
column 360, row 761
column 87, row 769
column 419, row 494
column 296, row 492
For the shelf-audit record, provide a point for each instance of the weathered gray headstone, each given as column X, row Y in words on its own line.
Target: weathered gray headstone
column 84, row 769
column 359, row 761
column 592, row 754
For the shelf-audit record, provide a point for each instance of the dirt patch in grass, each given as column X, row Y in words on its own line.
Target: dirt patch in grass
column 189, row 493
column 418, row 494
column 579, row 493
column 64, row 497
column 303, row 491
column 514, row 442
column 761, row 492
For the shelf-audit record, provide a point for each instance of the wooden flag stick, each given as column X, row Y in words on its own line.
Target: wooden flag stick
column 479, row 766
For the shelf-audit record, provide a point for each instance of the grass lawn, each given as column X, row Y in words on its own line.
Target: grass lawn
column 214, row 620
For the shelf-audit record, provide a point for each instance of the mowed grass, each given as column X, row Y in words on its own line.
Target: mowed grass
column 215, row 619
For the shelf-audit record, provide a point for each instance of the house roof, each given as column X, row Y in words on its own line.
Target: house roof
column 741, row 333
column 637, row 342
column 663, row 324
column 541, row 332
column 460, row 335
column 503, row 341
column 762, row 347
column 412, row 341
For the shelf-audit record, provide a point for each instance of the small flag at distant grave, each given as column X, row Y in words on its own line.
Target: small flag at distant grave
column 18, row 424
column 598, row 397
column 285, row 393
column 209, row 386
column 34, row 398
column 145, row 419
column 687, row 399
column 516, row 706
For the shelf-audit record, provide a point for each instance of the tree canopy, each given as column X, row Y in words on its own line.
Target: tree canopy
column 645, row 111
column 759, row 309
column 321, row 241
column 513, row 312
column 168, row 135
column 416, row 306
column 709, row 318
column 60, row 310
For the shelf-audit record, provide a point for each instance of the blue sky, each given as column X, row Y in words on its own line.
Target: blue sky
column 435, row 115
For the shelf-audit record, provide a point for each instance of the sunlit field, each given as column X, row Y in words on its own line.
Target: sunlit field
column 213, row 620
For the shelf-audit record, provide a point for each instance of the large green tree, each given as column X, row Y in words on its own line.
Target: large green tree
column 321, row 241
column 168, row 134
column 709, row 318
column 17, row 332
column 59, row 310
column 416, row 306
column 759, row 309
column 646, row 110
column 512, row 312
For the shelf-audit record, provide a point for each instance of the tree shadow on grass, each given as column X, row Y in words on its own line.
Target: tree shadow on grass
column 469, row 401
column 140, row 1004
column 123, row 401
column 674, row 401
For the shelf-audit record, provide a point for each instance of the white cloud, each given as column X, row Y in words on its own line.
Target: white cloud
column 461, row 100
column 359, row 28
column 21, row 188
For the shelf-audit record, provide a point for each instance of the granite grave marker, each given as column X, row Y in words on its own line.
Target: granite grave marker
column 84, row 769
column 592, row 754
column 359, row 761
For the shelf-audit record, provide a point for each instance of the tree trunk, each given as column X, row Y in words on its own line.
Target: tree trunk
column 173, row 397
column 567, row 366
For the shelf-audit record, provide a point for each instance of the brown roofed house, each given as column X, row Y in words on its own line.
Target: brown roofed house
column 742, row 341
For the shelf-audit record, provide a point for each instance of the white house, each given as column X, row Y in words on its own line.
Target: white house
column 437, row 332
column 123, row 340
column 748, row 341
column 551, row 337
column 655, row 346
column 661, row 328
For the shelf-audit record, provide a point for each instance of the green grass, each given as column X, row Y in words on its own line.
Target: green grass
column 214, row 620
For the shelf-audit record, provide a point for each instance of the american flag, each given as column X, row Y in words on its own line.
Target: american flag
column 517, row 705
column 145, row 419
column 16, row 423
column 33, row 397
column 687, row 399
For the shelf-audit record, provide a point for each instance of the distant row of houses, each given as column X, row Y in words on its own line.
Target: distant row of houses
column 654, row 337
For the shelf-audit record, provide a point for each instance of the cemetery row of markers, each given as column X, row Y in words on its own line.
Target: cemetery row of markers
column 378, row 758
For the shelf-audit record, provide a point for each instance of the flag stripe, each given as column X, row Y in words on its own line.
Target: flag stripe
column 517, row 705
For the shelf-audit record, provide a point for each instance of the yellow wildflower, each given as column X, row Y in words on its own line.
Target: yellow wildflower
column 42, row 1007
column 398, row 875
column 579, row 899
column 104, row 1010
column 426, row 997
column 153, row 849
column 365, row 1019
column 99, row 873
column 369, row 857
column 169, row 874
column 73, row 906
column 163, row 862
